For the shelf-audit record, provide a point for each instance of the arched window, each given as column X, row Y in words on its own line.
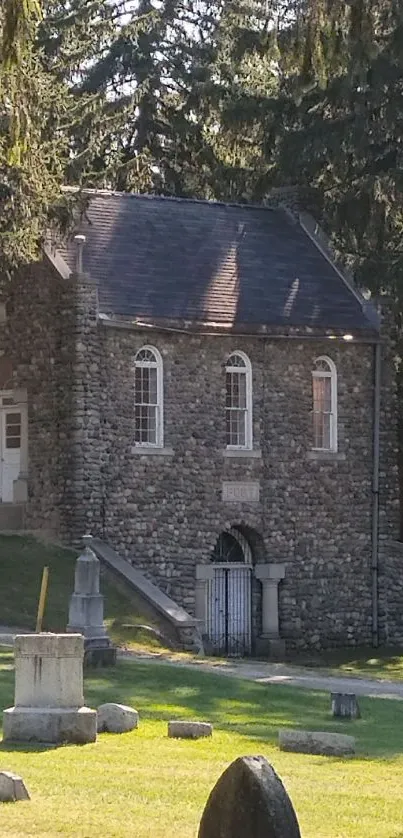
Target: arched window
column 232, row 546
column 238, row 403
column 148, row 398
column 324, row 382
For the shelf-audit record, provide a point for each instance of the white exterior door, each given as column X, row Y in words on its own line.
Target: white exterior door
column 11, row 434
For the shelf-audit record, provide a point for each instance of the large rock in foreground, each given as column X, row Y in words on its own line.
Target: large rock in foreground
column 249, row 801
column 116, row 718
column 316, row 742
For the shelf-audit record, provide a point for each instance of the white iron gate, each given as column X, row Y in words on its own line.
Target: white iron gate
column 229, row 609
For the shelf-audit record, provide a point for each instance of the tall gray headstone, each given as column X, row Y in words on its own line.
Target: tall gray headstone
column 249, row 801
column 86, row 612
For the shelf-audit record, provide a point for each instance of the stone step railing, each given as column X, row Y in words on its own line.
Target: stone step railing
column 174, row 621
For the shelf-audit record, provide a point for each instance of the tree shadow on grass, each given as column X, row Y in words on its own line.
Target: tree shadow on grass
column 257, row 711
column 28, row 747
column 254, row 710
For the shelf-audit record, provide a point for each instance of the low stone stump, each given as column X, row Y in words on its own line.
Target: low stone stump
column 49, row 703
column 249, row 801
column 116, row 718
column 345, row 706
column 316, row 742
column 97, row 655
column 189, row 730
column 12, row 788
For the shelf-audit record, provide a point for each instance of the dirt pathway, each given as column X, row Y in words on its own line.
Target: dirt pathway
column 261, row 672
column 280, row 673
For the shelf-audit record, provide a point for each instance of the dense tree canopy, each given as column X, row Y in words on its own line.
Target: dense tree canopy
column 222, row 99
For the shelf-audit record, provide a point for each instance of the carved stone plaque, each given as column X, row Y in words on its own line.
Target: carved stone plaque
column 246, row 492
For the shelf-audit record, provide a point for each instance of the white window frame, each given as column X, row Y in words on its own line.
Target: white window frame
column 247, row 372
column 159, row 419
column 331, row 373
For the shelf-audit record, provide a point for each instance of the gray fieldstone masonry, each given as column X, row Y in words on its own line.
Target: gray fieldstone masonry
column 391, row 591
column 164, row 511
column 313, row 515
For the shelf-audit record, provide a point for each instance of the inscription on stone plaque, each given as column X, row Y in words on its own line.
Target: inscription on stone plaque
column 235, row 492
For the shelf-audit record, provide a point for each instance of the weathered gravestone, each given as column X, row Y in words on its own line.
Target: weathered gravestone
column 345, row 706
column 49, row 701
column 189, row 730
column 249, row 801
column 12, row 788
column 86, row 612
column 317, row 742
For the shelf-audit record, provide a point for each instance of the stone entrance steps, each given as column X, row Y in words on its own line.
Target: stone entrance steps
column 175, row 622
column 12, row 517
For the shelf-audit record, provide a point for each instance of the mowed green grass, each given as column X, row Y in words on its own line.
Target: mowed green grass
column 144, row 785
column 381, row 663
column 22, row 559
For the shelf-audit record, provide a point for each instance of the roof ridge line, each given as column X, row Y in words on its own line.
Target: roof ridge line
column 318, row 237
column 113, row 193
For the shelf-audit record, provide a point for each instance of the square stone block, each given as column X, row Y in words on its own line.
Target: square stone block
column 49, row 670
column 33, row 724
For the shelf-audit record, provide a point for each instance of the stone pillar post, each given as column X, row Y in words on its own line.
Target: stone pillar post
column 204, row 572
column 270, row 576
column 48, row 704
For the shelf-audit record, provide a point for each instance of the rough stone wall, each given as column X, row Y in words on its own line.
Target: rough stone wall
column 31, row 340
column 389, row 589
column 79, row 465
column 165, row 511
column 391, row 592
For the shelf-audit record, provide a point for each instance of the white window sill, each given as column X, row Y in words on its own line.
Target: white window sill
column 245, row 453
column 326, row 456
column 145, row 451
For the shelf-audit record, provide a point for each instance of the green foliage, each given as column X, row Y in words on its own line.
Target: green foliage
column 32, row 144
column 18, row 25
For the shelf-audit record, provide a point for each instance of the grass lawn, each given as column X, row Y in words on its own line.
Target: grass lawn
column 22, row 559
column 144, row 785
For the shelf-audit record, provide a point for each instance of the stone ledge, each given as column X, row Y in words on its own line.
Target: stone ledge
column 152, row 452
column 189, row 730
column 176, row 616
column 316, row 742
column 242, row 453
column 325, row 456
column 77, row 725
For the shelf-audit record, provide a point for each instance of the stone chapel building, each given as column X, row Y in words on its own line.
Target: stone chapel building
column 201, row 387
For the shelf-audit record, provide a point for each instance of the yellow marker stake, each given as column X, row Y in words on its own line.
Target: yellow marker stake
column 42, row 599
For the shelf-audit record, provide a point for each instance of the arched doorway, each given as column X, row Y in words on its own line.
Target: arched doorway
column 229, row 599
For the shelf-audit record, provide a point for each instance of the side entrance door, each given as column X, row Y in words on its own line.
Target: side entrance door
column 229, row 609
column 11, row 422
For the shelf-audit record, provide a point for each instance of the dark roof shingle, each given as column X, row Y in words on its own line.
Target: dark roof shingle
column 230, row 265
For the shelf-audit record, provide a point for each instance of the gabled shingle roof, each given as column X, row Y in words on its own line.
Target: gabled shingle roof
column 165, row 259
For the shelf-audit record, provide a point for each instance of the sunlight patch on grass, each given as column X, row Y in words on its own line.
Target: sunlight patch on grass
column 146, row 785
